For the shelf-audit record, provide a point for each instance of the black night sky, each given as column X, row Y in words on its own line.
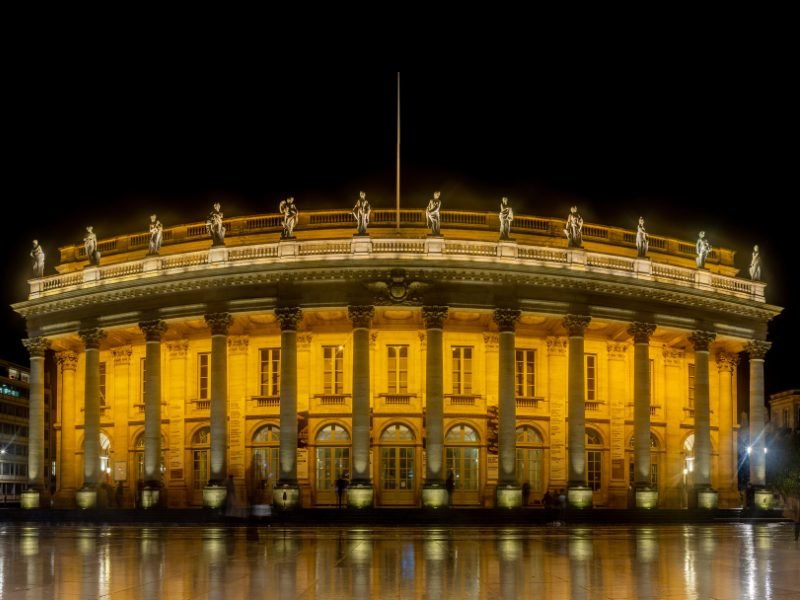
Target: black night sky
column 703, row 148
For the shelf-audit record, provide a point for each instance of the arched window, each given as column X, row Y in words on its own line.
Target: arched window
column 265, row 461
column 462, row 455
column 594, row 462
column 200, row 464
column 530, row 458
column 332, row 460
column 397, row 462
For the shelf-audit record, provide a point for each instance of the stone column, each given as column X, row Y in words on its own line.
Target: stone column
column 579, row 495
column 706, row 496
column 286, row 494
column 214, row 492
column 360, row 491
column 36, row 468
column 434, row 493
column 153, row 331
column 757, row 349
column 87, row 495
column 646, row 496
column 726, row 367
column 67, row 474
column 509, row 494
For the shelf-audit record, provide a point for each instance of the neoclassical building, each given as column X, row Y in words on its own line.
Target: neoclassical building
column 287, row 358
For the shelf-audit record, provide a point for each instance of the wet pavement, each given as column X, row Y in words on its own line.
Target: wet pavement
column 255, row 560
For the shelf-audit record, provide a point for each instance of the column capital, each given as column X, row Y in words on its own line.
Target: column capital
column 616, row 350
column 361, row 315
column 434, row 316
column 726, row 361
column 701, row 340
column 506, row 318
column 557, row 346
column 219, row 323
column 153, row 330
column 576, row 324
column 238, row 344
column 178, row 348
column 122, row 355
column 641, row 332
column 36, row 346
column 289, row 317
column 92, row 337
column 757, row 349
column 68, row 360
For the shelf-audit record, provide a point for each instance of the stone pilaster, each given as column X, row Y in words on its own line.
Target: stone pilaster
column 175, row 390
column 67, row 473
column 618, row 394
column 726, row 367
column 238, row 347
column 556, row 385
column 434, row 494
column 675, row 386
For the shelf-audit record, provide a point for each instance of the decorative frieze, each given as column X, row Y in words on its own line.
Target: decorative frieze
column 506, row 318
column 178, row 348
column 36, row 346
column 67, row 360
column 557, row 346
column 757, row 349
column 153, row 330
column 122, row 355
column 361, row 316
column 641, row 332
column 219, row 323
column 726, row 362
column 92, row 337
column 576, row 324
column 289, row 317
column 701, row 340
column 616, row 350
column 434, row 316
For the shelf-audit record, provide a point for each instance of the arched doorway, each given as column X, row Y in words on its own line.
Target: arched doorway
column 201, row 441
column 654, row 462
column 264, row 463
column 595, row 468
column 462, row 457
column 530, row 460
column 398, row 473
column 332, row 457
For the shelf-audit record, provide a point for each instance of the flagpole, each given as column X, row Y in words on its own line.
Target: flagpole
column 398, row 153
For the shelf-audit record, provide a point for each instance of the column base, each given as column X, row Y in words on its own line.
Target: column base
column 434, row 495
column 213, row 496
column 29, row 499
column 86, row 497
column 707, row 498
column 508, row 495
column 646, row 498
column 360, row 495
column 151, row 494
column 579, row 496
column 762, row 499
column 286, row 496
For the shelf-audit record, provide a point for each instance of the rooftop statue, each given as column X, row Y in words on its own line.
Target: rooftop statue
column 432, row 213
column 361, row 212
column 90, row 245
column 215, row 227
column 37, row 254
column 156, row 235
column 289, row 211
column 506, row 216
column 755, row 264
column 642, row 240
column 574, row 228
column 703, row 248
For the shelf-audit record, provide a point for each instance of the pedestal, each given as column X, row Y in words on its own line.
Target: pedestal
column 434, row 244
column 286, row 497
column 213, row 496
column 86, row 498
column 707, row 499
column 579, row 497
column 217, row 254
column 29, row 499
column 762, row 499
column 360, row 495
column 646, row 498
column 508, row 496
column 362, row 244
column 435, row 496
column 151, row 495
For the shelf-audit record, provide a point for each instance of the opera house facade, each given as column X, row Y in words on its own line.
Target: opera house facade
column 381, row 354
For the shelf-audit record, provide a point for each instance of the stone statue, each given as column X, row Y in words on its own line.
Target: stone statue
column 432, row 213
column 156, row 235
column 289, row 211
column 703, row 248
column 37, row 254
column 506, row 216
column 90, row 245
column 755, row 265
column 574, row 228
column 642, row 240
column 361, row 213
column 215, row 227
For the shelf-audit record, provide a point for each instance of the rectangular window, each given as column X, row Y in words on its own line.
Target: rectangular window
column 333, row 370
column 397, row 359
column 203, row 376
column 102, row 379
column 462, row 369
column 691, row 386
column 590, row 363
column 525, row 373
column 593, row 474
column 270, row 369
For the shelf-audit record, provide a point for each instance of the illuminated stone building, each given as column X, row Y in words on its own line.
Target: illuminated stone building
column 395, row 357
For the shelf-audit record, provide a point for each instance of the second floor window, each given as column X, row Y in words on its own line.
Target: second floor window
column 526, row 373
column 333, row 372
column 397, row 358
column 102, row 380
column 203, row 376
column 590, row 361
column 462, row 369
column 270, row 368
column 691, row 386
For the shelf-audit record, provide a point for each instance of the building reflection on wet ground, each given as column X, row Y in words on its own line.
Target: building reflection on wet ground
column 747, row 560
